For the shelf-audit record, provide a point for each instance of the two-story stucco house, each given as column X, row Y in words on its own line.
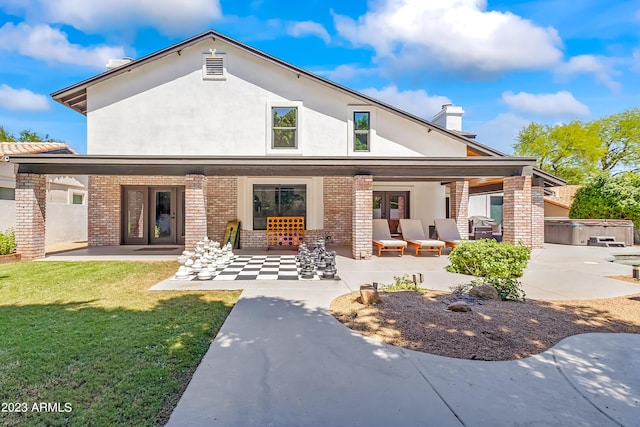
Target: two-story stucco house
column 211, row 130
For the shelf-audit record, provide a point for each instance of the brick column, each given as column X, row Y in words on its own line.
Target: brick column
column 537, row 217
column 338, row 209
column 459, row 206
column 362, row 217
column 195, row 209
column 222, row 199
column 517, row 210
column 31, row 215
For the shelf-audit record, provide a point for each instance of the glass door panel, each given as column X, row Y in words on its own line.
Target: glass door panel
column 135, row 214
column 163, row 203
column 496, row 208
column 378, row 206
column 181, row 217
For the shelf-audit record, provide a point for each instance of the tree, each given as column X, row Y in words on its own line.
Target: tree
column 26, row 135
column 609, row 197
column 576, row 151
column 6, row 136
column 569, row 151
column 619, row 135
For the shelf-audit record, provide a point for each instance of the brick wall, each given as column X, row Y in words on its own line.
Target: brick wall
column 195, row 210
column 517, row 210
column 338, row 209
column 459, row 206
column 362, row 216
column 222, row 205
column 31, row 214
column 105, row 200
column 537, row 217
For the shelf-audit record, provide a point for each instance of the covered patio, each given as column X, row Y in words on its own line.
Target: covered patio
column 211, row 193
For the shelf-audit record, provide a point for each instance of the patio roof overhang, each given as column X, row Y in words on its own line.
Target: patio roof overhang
column 437, row 169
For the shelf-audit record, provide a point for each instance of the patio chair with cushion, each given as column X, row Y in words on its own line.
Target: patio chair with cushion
column 382, row 238
column 447, row 230
column 413, row 233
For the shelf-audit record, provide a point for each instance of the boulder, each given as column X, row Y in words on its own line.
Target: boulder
column 369, row 295
column 459, row 306
column 486, row 292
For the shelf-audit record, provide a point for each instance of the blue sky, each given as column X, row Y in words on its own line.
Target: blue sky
column 507, row 63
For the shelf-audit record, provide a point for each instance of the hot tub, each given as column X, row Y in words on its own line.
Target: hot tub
column 566, row 231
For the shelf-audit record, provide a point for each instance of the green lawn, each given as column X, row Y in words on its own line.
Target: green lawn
column 89, row 340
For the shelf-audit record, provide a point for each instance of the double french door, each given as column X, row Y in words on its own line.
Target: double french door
column 153, row 215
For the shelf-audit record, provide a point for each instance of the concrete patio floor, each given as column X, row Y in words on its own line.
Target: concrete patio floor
column 281, row 359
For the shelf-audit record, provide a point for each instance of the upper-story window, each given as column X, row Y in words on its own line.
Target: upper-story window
column 362, row 130
column 284, row 127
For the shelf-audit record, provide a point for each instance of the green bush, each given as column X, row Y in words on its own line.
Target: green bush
column 7, row 242
column 488, row 258
column 495, row 264
column 609, row 197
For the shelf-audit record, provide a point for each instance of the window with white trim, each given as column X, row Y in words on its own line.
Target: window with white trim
column 361, row 130
column 284, row 127
column 7, row 193
column 77, row 199
column 214, row 66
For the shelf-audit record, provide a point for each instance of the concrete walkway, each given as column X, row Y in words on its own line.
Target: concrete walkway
column 281, row 359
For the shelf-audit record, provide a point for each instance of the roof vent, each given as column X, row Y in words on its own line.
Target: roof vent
column 115, row 63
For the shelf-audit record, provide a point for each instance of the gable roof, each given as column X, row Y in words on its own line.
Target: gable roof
column 11, row 148
column 75, row 96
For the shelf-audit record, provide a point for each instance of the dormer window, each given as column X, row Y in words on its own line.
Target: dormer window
column 214, row 66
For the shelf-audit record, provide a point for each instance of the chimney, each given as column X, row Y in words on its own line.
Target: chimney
column 115, row 63
column 450, row 117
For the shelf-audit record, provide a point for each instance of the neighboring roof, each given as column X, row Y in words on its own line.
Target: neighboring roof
column 12, row 148
column 563, row 196
column 419, row 168
column 75, row 96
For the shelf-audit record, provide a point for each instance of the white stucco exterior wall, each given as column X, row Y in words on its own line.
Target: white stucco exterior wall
column 166, row 107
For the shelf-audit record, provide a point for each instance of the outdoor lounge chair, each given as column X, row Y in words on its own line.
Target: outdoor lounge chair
column 382, row 238
column 413, row 233
column 447, row 230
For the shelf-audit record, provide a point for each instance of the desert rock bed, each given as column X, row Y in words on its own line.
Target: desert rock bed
column 492, row 330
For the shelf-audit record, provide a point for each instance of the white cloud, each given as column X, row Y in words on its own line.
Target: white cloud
column 169, row 16
column 51, row 45
column 556, row 105
column 458, row 35
column 22, row 99
column 500, row 132
column 589, row 64
column 308, row 28
column 346, row 72
column 417, row 102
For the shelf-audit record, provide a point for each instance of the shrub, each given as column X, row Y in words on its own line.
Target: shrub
column 488, row 258
column 401, row 283
column 495, row 264
column 609, row 197
column 508, row 288
column 7, row 242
